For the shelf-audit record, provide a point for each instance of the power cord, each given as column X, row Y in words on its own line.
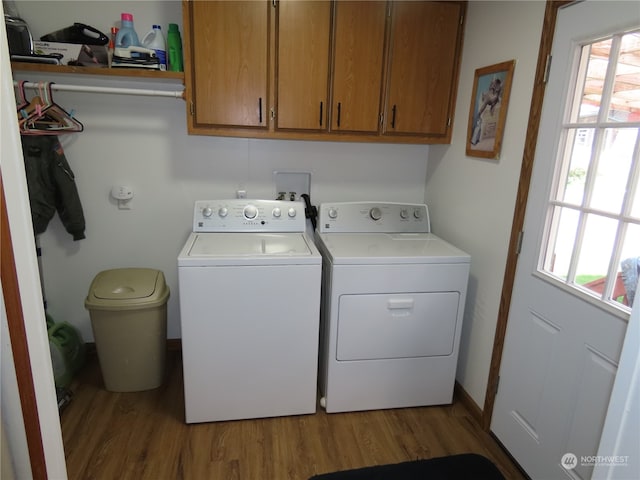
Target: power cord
column 310, row 211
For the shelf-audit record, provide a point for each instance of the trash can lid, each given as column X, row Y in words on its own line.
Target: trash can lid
column 127, row 287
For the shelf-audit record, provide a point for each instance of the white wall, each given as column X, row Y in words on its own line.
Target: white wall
column 142, row 142
column 471, row 200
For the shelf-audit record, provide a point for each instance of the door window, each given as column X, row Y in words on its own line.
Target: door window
column 592, row 236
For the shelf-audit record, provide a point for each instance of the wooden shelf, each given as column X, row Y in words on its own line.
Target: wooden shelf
column 109, row 72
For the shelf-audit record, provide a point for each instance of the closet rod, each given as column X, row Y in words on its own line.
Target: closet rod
column 111, row 90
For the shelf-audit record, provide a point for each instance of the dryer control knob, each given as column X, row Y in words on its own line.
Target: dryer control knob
column 277, row 212
column 375, row 213
column 403, row 213
column 333, row 213
column 222, row 212
column 250, row 212
column 206, row 212
column 417, row 213
column 292, row 212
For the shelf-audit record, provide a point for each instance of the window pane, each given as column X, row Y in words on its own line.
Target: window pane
column 629, row 268
column 613, row 169
column 635, row 209
column 595, row 253
column 624, row 101
column 597, row 173
column 596, row 57
column 581, row 140
column 563, row 234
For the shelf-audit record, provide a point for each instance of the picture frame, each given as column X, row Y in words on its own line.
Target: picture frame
column 488, row 110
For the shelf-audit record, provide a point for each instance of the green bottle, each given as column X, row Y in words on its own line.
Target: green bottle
column 174, row 48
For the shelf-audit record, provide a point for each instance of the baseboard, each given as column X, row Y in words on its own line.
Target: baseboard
column 462, row 395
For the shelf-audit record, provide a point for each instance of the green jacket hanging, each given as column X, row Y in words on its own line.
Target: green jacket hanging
column 51, row 185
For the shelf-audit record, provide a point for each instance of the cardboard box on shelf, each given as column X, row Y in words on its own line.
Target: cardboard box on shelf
column 75, row 54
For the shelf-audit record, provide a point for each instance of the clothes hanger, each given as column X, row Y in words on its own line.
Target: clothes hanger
column 27, row 107
column 32, row 110
column 22, row 97
column 45, row 117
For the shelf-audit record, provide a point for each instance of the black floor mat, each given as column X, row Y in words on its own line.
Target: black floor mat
column 468, row 466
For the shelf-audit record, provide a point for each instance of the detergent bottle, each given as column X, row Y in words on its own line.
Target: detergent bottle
column 155, row 41
column 174, row 42
column 127, row 36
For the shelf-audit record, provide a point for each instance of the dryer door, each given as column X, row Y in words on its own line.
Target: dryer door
column 382, row 326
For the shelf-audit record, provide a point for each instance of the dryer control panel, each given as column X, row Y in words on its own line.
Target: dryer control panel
column 370, row 217
column 242, row 215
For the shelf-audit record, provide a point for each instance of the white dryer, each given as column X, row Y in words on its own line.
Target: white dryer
column 393, row 297
column 249, row 281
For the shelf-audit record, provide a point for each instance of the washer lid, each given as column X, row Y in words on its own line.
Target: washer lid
column 243, row 244
column 382, row 248
column 248, row 249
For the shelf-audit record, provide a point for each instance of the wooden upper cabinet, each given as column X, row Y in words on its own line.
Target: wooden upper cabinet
column 359, row 35
column 372, row 71
column 229, row 55
column 423, row 67
column 302, row 64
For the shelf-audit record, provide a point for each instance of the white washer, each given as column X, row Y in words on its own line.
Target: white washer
column 249, row 281
column 393, row 297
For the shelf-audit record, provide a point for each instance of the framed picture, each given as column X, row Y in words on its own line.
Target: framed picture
column 488, row 112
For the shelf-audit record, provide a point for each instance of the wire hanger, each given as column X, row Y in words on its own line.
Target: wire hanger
column 42, row 116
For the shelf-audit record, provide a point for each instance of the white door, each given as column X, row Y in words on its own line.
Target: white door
column 568, row 318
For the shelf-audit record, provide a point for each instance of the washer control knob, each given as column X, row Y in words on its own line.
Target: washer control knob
column 277, row 212
column 222, row 212
column 403, row 213
column 250, row 212
column 417, row 213
column 333, row 213
column 292, row 212
column 375, row 213
column 206, row 212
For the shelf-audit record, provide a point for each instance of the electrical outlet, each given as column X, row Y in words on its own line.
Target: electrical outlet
column 291, row 184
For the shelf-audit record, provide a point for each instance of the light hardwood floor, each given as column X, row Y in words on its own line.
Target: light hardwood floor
column 142, row 435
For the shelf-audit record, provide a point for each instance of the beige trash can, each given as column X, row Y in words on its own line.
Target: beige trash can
column 128, row 310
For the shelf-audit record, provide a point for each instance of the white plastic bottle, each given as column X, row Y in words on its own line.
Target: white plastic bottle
column 155, row 41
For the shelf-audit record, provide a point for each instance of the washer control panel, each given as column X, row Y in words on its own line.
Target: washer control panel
column 242, row 215
column 369, row 217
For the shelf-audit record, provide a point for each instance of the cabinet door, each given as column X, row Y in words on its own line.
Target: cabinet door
column 358, row 65
column 303, row 36
column 422, row 68
column 230, row 50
